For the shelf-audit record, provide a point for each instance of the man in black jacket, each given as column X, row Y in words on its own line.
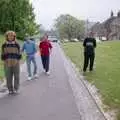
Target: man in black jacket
column 89, row 51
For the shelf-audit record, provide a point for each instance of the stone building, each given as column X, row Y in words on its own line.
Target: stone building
column 109, row 29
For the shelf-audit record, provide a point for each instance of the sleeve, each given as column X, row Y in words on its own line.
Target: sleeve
column 50, row 45
column 95, row 43
column 40, row 47
column 84, row 43
column 35, row 47
column 19, row 52
column 2, row 53
column 23, row 47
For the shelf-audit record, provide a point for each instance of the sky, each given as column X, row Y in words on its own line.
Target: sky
column 47, row 11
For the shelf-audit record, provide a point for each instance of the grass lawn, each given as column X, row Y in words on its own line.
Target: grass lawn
column 106, row 76
column 1, row 64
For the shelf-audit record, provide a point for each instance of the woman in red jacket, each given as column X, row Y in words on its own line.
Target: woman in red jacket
column 45, row 50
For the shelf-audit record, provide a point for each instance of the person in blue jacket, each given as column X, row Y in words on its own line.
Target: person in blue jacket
column 30, row 49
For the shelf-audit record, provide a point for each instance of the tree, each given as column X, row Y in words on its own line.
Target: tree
column 17, row 15
column 69, row 26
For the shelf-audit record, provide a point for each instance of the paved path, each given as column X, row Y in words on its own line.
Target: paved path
column 49, row 97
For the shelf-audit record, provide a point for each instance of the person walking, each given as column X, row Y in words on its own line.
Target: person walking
column 30, row 49
column 45, row 51
column 10, row 55
column 89, row 52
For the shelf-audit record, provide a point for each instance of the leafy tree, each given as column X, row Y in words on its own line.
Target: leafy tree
column 69, row 27
column 17, row 15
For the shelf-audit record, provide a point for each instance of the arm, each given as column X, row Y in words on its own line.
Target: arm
column 84, row 43
column 19, row 51
column 23, row 48
column 50, row 47
column 95, row 43
column 35, row 48
column 40, row 48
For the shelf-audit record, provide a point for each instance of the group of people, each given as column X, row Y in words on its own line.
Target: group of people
column 11, row 54
column 30, row 49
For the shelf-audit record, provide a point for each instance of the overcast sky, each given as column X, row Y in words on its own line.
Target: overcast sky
column 95, row 10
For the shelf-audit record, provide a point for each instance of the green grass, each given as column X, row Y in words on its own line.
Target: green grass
column 106, row 76
column 1, row 63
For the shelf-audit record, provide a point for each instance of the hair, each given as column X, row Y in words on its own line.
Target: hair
column 10, row 33
column 91, row 33
column 46, row 35
column 41, row 38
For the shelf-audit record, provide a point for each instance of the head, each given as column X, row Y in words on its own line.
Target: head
column 91, row 34
column 41, row 38
column 27, row 38
column 45, row 36
column 10, row 36
column 33, row 39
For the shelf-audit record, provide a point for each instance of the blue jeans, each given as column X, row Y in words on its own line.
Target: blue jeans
column 31, row 58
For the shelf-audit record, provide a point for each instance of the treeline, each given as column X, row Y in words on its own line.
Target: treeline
column 70, row 27
column 18, row 15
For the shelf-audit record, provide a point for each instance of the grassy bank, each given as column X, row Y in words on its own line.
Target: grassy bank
column 106, row 76
column 1, row 64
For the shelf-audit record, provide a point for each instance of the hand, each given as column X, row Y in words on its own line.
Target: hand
column 50, row 51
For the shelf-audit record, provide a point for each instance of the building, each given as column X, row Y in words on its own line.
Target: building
column 109, row 29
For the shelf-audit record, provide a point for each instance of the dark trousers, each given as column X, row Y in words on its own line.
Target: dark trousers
column 88, row 58
column 45, row 62
column 12, row 73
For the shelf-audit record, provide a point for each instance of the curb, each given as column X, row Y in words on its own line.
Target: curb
column 89, row 91
column 81, row 78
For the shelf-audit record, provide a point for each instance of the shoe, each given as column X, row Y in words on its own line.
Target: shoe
column 11, row 92
column 35, row 76
column 16, row 91
column 48, row 73
column 84, row 70
column 91, row 70
column 29, row 78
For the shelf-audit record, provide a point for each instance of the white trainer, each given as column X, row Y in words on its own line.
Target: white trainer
column 35, row 76
column 29, row 78
column 48, row 73
column 16, row 91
